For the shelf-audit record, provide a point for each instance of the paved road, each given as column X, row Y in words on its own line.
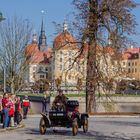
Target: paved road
column 100, row 128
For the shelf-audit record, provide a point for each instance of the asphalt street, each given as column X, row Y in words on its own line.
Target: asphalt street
column 100, row 128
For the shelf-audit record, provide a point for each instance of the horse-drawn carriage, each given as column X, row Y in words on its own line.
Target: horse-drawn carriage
column 70, row 118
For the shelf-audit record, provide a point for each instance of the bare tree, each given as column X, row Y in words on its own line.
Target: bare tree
column 15, row 33
column 96, row 21
column 58, row 82
column 41, row 85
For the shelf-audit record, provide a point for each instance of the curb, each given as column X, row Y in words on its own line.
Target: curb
column 114, row 116
column 11, row 128
column 115, row 113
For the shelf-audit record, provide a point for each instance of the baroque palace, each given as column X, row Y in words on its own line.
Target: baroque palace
column 64, row 62
column 60, row 61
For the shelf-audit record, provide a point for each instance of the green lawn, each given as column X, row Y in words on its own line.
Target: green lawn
column 83, row 95
column 41, row 94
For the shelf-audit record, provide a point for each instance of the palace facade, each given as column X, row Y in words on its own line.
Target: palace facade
column 66, row 61
column 62, row 61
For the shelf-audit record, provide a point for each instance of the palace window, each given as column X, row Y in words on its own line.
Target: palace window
column 61, row 53
column 40, row 68
column 60, row 67
column 69, row 60
column 41, row 76
column 46, row 75
column 70, row 53
column 34, row 68
column 46, row 69
column 60, row 59
column 69, row 77
column 34, row 75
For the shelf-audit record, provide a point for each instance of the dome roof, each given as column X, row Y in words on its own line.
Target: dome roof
column 64, row 40
column 35, row 56
column 31, row 49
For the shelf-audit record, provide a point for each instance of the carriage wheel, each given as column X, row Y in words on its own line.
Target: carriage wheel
column 85, row 125
column 42, row 126
column 75, row 127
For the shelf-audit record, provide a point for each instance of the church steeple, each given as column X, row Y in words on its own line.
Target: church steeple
column 42, row 26
column 42, row 38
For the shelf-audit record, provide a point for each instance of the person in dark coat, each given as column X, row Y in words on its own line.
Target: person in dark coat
column 59, row 101
column 5, row 107
column 17, row 116
column 44, row 104
column 1, row 112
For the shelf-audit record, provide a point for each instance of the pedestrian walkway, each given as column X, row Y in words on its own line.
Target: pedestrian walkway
column 10, row 128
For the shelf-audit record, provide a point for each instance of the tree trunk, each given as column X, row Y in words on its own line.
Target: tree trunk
column 97, row 19
column 91, row 79
column 12, row 86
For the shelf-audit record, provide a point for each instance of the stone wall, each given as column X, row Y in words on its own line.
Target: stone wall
column 113, row 104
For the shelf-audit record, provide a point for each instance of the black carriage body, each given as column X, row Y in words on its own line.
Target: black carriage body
column 61, row 118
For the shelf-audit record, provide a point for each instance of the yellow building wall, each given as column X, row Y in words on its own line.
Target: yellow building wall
column 132, row 68
column 66, row 67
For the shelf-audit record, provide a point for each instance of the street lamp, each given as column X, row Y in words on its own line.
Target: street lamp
column 4, row 73
column 1, row 17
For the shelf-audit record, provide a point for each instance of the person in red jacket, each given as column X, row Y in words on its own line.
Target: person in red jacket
column 17, row 117
column 11, row 110
column 25, row 105
column 5, row 110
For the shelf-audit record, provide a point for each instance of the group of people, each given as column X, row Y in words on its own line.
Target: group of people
column 10, row 107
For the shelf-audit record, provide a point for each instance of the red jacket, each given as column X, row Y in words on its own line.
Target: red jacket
column 4, row 102
column 76, row 110
column 26, row 103
column 11, row 109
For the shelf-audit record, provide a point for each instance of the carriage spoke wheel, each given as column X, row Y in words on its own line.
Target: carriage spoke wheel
column 74, row 127
column 85, row 124
column 42, row 126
